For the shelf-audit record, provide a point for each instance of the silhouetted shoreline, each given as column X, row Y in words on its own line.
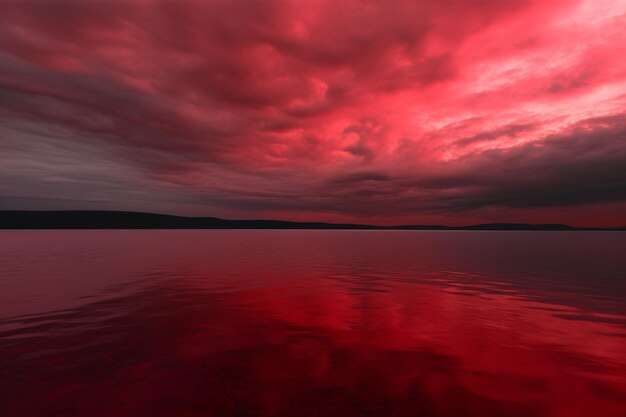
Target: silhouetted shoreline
column 87, row 219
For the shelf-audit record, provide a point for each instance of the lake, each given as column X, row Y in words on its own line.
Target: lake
column 312, row 323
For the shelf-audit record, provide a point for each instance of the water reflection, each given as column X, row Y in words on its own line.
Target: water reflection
column 205, row 325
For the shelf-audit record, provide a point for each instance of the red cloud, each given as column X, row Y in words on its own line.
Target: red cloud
column 256, row 108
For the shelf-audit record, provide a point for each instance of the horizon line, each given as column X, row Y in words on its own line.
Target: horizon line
column 21, row 222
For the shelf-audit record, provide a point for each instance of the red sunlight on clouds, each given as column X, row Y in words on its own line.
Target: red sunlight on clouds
column 367, row 111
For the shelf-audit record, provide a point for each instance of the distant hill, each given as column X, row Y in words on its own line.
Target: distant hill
column 12, row 219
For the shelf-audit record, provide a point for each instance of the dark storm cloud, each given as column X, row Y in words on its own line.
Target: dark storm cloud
column 586, row 165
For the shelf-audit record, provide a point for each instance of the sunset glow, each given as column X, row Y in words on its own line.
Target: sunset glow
column 382, row 112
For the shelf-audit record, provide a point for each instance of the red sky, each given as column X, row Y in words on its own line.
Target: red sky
column 383, row 112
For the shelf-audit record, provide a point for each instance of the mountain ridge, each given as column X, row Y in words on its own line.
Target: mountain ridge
column 103, row 219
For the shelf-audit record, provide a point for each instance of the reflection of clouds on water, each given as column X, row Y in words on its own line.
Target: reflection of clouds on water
column 320, row 324
column 413, row 350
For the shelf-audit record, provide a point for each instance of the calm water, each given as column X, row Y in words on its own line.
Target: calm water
column 312, row 323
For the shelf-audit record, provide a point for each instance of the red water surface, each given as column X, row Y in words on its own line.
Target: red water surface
column 306, row 323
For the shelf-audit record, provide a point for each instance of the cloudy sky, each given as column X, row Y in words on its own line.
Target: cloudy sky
column 387, row 112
